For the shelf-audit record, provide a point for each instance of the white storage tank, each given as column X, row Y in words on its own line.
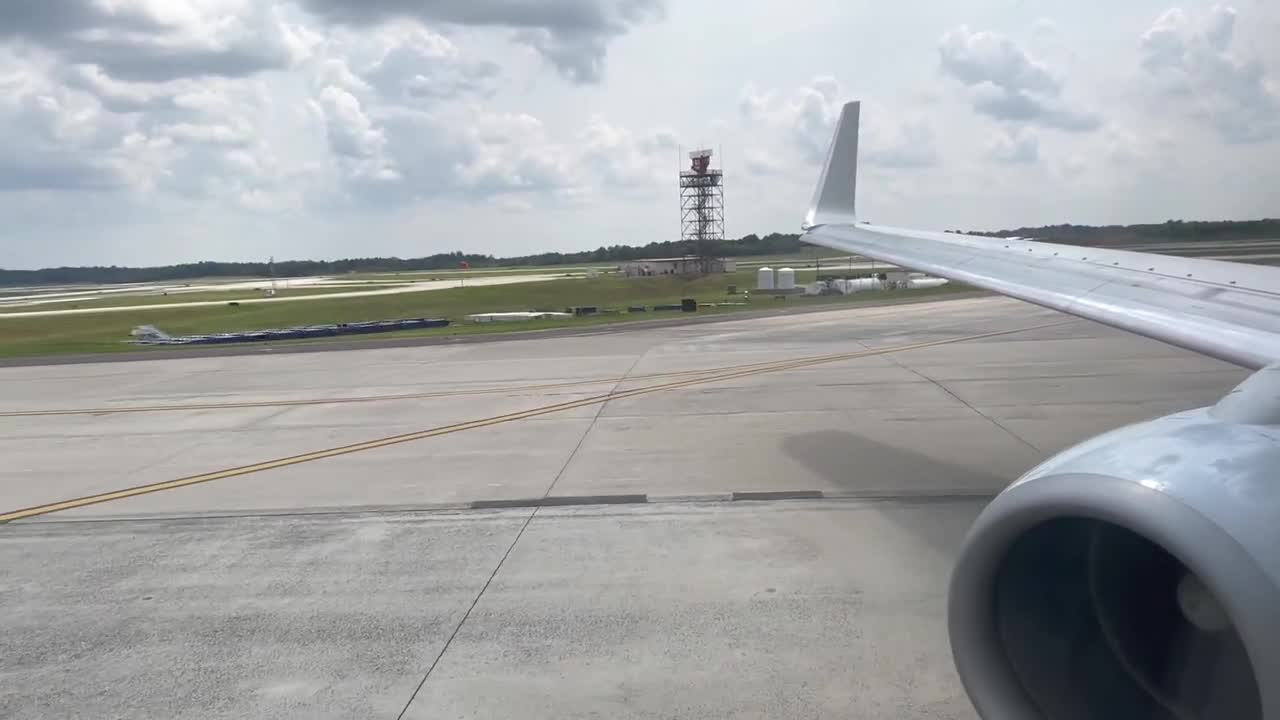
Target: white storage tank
column 786, row 279
column 764, row 278
column 863, row 284
column 926, row 282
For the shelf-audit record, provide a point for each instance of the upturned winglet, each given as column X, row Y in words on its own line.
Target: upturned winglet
column 833, row 200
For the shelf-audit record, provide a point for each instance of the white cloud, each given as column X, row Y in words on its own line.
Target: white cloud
column 806, row 118
column 514, row 153
column 1044, row 28
column 143, row 160
column 760, row 162
column 1196, row 70
column 147, row 40
column 1006, row 83
column 1014, row 147
column 986, row 57
column 1128, row 147
column 117, row 95
column 625, row 160
column 54, row 138
column 232, row 134
column 427, row 65
column 509, row 153
column 353, row 137
column 572, row 35
column 910, row 145
column 1024, row 106
column 292, row 126
column 335, row 72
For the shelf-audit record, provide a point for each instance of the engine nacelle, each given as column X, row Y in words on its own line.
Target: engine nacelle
column 1136, row 575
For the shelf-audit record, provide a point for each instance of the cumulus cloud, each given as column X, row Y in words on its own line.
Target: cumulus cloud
column 806, row 119
column 170, row 94
column 427, row 65
column 760, row 162
column 353, row 137
column 1195, row 68
column 578, row 56
column 1006, row 83
column 1023, row 106
column 392, row 155
column 54, row 138
column 117, row 95
column 511, row 153
column 135, row 94
column 334, row 106
column 257, row 180
column 985, row 57
column 1014, row 147
column 153, row 41
column 911, row 144
column 233, row 134
column 572, row 35
column 625, row 159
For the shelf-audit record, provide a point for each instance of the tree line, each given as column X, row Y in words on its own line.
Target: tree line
column 1169, row 231
column 771, row 244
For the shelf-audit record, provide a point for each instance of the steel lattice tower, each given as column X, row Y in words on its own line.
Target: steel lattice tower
column 701, row 200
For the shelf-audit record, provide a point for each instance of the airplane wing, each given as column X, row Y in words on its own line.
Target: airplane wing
column 1230, row 311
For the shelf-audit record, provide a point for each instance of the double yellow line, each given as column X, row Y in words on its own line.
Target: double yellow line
column 125, row 409
column 301, row 402
column 759, row 369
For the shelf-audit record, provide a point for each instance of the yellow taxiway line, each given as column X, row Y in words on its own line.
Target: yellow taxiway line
column 303, row 402
column 126, row 409
column 475, row 424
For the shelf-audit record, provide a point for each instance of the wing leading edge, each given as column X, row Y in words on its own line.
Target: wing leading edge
column 1230, row 311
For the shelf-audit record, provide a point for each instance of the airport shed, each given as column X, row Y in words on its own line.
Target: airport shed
column 687, row 265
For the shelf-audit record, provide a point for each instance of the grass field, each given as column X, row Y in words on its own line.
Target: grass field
column 804, row 258
column 119, row 300
column 475, row 272
column 798, row 260
column 107, row 332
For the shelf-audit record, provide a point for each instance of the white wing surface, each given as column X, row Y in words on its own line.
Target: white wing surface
column 1229, row 311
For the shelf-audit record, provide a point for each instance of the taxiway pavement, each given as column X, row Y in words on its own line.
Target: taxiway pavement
column 358, row 534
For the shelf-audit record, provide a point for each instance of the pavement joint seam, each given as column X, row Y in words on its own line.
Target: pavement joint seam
column 546, row 497
column 938, row 384
column 493, row 388
column 486, row 422
column 475, row 601
column 553, row 502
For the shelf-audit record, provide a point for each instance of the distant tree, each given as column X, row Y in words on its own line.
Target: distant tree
column 771, row 244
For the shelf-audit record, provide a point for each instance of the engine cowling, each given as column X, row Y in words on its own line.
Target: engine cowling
column 1136, row 575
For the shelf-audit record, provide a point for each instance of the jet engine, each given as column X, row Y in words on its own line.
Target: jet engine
column 1134, row 576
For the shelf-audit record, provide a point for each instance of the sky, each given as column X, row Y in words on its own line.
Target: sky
column 148, row 132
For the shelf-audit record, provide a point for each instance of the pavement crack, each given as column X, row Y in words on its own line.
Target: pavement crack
column 962, row 401
column 519, row 534
column 465, row 616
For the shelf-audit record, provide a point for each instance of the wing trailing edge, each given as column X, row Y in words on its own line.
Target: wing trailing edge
column 1226, row 310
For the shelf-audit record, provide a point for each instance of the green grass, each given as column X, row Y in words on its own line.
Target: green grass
column 119, row 300
column 106, row 332
column 475, row 272
column 798, row 260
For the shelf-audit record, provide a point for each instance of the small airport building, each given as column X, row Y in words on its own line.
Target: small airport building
column 688, row 265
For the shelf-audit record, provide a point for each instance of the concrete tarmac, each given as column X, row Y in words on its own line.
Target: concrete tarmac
column 310, row 581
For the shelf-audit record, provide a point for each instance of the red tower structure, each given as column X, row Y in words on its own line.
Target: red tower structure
column 701, row 201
